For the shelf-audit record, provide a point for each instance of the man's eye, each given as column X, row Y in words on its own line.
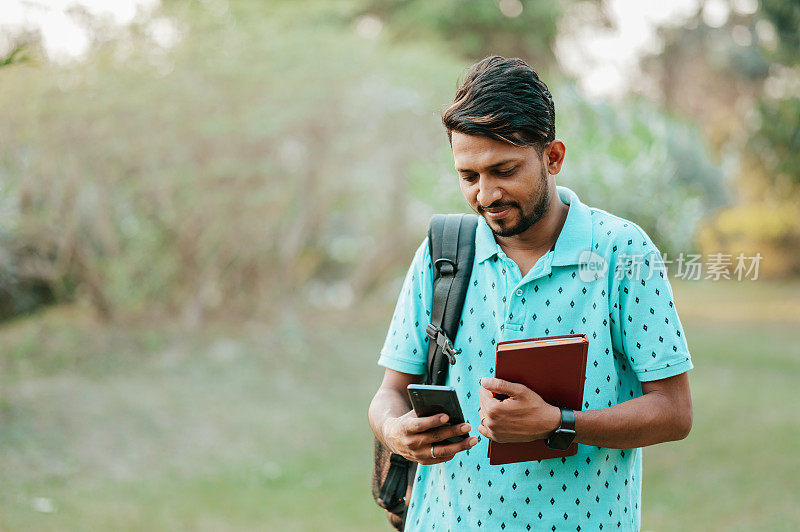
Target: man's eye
column 468, row 177
column 506, row 173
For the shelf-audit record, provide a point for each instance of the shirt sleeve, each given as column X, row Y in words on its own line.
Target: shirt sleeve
column 406, row 346
column 650, row 333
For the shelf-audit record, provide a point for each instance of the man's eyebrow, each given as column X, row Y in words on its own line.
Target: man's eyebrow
column 495, row 165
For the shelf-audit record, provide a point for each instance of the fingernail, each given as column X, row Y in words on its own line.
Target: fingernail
column 443, row 418
column 465, row 427
column 473, row 440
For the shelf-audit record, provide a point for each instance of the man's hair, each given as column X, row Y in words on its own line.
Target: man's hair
column 505, row 100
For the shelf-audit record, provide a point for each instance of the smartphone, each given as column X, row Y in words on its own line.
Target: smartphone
column 429, row 400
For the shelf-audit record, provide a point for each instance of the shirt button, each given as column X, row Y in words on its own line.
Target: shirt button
column 519, row 292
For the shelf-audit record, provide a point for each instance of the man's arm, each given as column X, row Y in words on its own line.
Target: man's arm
column 662, row 413
column 391, row 400
column 398, row 427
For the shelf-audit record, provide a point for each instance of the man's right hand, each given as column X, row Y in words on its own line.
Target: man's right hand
column 413, row 438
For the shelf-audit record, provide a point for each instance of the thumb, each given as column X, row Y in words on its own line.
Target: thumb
column 500, row 386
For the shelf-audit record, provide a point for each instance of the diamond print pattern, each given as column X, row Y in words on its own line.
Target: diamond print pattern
column 627, row 321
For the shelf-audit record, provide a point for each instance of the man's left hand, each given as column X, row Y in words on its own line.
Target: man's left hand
column 522, row 416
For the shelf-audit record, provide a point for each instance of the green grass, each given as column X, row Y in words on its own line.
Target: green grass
column 738, row 470
column 230, row 427
column 263, row 426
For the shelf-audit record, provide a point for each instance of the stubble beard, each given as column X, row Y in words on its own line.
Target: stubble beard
column 540, row 206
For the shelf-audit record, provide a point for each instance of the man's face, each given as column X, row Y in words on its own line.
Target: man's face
column 508, row 185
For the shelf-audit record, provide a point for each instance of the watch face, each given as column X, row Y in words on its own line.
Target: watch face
column 561, row 439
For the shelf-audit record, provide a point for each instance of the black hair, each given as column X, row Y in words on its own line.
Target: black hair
column 503, row 99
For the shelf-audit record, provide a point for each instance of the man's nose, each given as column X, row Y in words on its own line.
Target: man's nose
column 488, row 193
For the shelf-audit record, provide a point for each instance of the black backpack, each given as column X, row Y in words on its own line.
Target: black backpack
column 451, row 241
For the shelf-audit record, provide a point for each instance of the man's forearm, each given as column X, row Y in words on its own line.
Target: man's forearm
column 646, row 420
column 386, row 404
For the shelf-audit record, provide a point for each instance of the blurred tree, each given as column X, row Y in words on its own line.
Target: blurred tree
column 740, row 77
column 225, row 172
column 18, row 294
column 734, row 76
column 636, row 148
column 775, row 143
column 476, row 28
column 16, row 55
column 267, row 158
column 785, row 17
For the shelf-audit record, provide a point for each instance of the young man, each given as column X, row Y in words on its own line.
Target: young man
column 530, row 279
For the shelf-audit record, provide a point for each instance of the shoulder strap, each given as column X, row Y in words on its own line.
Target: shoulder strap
column 451, row 238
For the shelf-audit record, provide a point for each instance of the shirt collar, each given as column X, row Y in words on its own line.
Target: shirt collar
column 575, row 236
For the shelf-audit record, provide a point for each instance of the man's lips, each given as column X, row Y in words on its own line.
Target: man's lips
column 496, row 212
column 499, row 214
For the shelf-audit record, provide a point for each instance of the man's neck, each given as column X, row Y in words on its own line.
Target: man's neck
column 540, row 237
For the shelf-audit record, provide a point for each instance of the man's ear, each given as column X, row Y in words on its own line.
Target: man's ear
column 554, row 156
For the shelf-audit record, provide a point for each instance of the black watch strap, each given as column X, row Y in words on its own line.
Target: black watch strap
column 564, row 435
column 567, row 419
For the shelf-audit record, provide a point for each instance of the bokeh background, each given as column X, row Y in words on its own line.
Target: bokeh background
column 207, row 208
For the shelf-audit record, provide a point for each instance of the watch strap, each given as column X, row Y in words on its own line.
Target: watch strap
column 561, row 438
column 567, row 419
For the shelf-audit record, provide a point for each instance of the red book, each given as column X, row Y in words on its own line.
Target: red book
column 555, row 368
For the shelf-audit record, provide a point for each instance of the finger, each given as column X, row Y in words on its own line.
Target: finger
column 421, row 424
column 485, row 396
column 486, row 403
column 485, row 431
column 446, row 452
column 442, row 433
column 494, row 385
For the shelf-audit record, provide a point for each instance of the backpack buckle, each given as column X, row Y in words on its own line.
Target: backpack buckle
column 445, row 266
column 438, row 335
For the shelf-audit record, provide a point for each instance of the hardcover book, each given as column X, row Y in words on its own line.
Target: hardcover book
column 555, row 368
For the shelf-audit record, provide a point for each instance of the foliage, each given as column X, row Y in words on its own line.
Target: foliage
column 741, row 81
column 768, row 229
column 776, row 141
column 477, row 28
column 785, row 16
column 236, row 173
column 625, row 158
column 16, row 55
column 225, row 171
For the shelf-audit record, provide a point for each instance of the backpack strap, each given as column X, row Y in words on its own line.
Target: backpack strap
column 395, row 486
column 451, row 239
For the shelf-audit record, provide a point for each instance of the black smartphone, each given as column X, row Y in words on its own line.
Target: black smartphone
column 429, row 400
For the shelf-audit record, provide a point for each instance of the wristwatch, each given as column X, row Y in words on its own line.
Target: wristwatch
column 564, row 435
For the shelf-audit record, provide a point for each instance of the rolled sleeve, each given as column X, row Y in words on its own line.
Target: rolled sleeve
column 652, row 336
column 406, row 346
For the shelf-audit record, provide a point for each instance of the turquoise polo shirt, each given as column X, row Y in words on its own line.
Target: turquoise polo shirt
column 603, row 277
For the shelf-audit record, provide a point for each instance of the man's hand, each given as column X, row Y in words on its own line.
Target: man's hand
column 523, row 416
column 415, row 437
